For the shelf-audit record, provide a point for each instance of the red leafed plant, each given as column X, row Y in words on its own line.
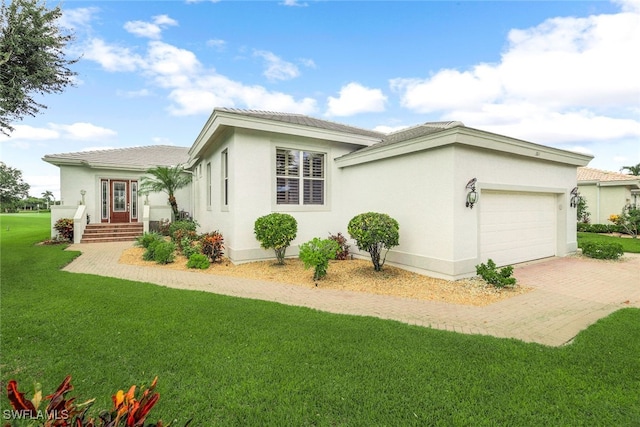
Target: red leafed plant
column 128, row 410
column 212, row 245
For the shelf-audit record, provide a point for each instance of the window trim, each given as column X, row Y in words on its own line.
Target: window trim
column 300, row 207
column 209, row 188
column 224, row 180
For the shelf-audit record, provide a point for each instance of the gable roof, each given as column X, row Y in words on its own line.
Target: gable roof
column 301, row 119
column 591, row 175
column 134, row 158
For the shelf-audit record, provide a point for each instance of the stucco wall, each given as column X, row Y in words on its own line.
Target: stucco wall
column 73, row 179
column 425, row 192
column 252, row 192
column 603, row 201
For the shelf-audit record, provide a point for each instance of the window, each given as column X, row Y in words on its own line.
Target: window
column 225, row 178
column 209, row 184
column 105, row 199
column 300, row 177
column 134, row 199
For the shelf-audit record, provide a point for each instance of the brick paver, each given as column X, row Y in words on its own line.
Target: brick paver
column 570, row 294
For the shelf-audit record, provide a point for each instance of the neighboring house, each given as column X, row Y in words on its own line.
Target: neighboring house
column 246, row 164
column 607, row 193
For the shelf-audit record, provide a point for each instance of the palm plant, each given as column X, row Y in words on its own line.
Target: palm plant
column 48, row 196
column 633, row 170
column 167, row 179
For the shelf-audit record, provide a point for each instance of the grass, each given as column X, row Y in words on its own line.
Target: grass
column 230, row 361
column 628, row 244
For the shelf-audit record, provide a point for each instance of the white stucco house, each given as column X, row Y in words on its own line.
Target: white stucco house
column 607, row 193
column 246, row 164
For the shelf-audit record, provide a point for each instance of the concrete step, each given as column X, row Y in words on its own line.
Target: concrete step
column 96, row 233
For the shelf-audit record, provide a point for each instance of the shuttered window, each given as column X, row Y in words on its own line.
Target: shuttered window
column 300, row 177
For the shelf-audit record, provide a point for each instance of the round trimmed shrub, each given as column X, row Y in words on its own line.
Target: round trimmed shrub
column 276, row 231
column 374, row 232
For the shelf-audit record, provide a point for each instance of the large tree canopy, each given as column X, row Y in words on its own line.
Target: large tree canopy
column 32, row 60
column 12, row 187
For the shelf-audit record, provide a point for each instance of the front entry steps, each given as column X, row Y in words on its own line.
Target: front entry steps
column 96, row 233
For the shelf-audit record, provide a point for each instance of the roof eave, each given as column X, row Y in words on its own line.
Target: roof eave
column 220, row 120
column 469, row 137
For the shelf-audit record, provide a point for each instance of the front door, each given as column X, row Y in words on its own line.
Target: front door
column 120, row 205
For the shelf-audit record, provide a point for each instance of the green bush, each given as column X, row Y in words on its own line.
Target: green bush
column 150, row 253
column 147, row 238
column 374, row 232
column 498, row 278
column 276, row 231
column 200, row 261
column 317, row 253
column 64, row 226
column 182, row 228
column 164, row 252
column 601, row 250
column 212, row 245
column 629, row 221
column 343, row 247
column 189, row 247
column 599, row 228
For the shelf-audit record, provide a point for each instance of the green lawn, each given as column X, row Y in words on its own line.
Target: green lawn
column 628, row 245
column 230, row 361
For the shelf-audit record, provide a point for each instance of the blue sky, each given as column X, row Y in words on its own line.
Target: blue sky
column 563, row 74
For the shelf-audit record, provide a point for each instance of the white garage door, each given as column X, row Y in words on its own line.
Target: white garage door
column 517, row 227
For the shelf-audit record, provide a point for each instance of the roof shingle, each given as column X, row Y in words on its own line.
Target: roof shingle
column 134, row 157
column 591, row 174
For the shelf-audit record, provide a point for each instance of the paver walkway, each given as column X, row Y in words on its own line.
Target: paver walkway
column 570, row 294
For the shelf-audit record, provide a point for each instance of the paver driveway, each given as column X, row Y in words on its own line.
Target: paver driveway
column 570, row 294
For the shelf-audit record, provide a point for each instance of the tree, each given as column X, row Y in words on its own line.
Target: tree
column 32, row 60
column 12, row 187
column 633, row 170
column 167, row 179
column 48, row 196
column 374, row 232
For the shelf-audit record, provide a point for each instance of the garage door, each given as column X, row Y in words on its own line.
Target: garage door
column 517, row 227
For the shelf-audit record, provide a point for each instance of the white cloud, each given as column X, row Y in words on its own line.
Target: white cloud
column 388, row 129
column 217, row 44
column 535, row 123
column 563, row 81
column 83, row 131
column 151, row 30
column 293, row 3
column 192, row 88
column 77, row 18
column 113, row 58
column 134, row 93
column 276, row 67
column 309, row 63
column 355, row 98
column 30, row 133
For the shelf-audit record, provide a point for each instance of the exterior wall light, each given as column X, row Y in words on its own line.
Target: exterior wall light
column 472, row 196
column 575, row 198
column 82, row 193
